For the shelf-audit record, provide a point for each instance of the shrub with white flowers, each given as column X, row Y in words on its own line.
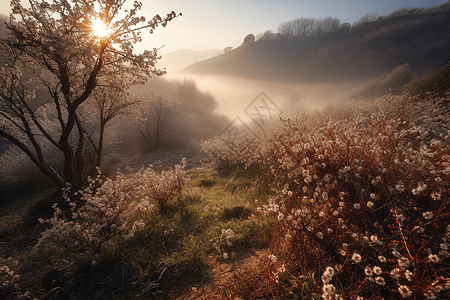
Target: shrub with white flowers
column 7, row 276
column 165, row 186
column 110, row 208
column 365, row 184
column 11, row 287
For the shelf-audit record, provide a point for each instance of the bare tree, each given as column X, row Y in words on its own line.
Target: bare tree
column 367, row 18
column 268, row 35
column 283, row 29
column 331, row 24
column 158, row 120
column 307, row 27
column 319, row 28
column 109, row 103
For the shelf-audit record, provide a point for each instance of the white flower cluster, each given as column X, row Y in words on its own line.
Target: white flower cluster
column 273, row 259
column 405, row 291
column 356, row 258
column 327, row 275
column 11, row 281
column 229, row 236
column 328, row 289
column 279, row 271
column 7, row 276
column 111, row 207
column 164, row 186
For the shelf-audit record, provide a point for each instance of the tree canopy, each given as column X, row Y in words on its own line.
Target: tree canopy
column 249, row 38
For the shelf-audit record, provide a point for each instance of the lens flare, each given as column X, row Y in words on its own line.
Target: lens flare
column 99, row 28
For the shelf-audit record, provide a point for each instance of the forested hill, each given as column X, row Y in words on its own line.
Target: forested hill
column 360, row 51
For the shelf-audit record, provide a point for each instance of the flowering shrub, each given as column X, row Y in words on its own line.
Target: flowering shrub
column 11, row 287
column 364, row 187
column 7, row 276
column 167, row 185
column 230, row 149
column 110, row 209
column 227, row 237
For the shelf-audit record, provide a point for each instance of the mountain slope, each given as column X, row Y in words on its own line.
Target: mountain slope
column 366, row 51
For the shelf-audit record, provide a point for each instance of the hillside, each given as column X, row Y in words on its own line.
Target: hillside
column 420, row 40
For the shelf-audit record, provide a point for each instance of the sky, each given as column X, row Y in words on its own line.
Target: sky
column 216, row 24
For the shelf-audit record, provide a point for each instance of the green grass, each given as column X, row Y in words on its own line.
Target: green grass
column 170, row 256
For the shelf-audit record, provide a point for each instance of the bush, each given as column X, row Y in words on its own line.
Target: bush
column 167, row 185
column 106, row 213
column 392, row 83
column 363, row 200
column 436, row 81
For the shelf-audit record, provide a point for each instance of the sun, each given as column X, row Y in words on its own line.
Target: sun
column 99, row 28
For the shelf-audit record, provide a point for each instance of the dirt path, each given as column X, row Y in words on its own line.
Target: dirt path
column 223, row 274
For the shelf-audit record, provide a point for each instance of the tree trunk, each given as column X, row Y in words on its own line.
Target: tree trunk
column 68, row 161
column 51, row 173
column 157, row 139
column 66, row 147
column 79, row 156
column 100, row 144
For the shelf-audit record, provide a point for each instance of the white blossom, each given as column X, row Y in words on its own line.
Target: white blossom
column 428, row 215
column 356, row 258
column 380, row 280
column 377, row 270
column 405, row 291
column 433, row 258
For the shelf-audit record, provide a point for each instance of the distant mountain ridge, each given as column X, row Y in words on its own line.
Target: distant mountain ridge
column 180, row 59
column 363, row 52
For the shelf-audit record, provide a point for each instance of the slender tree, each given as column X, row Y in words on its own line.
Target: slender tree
column 158, row 120
column 110, row 103
column 65, row 47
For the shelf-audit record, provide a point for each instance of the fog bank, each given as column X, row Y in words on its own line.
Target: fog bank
column 234, row 94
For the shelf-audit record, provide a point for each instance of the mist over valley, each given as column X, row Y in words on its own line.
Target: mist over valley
column 307, row 70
